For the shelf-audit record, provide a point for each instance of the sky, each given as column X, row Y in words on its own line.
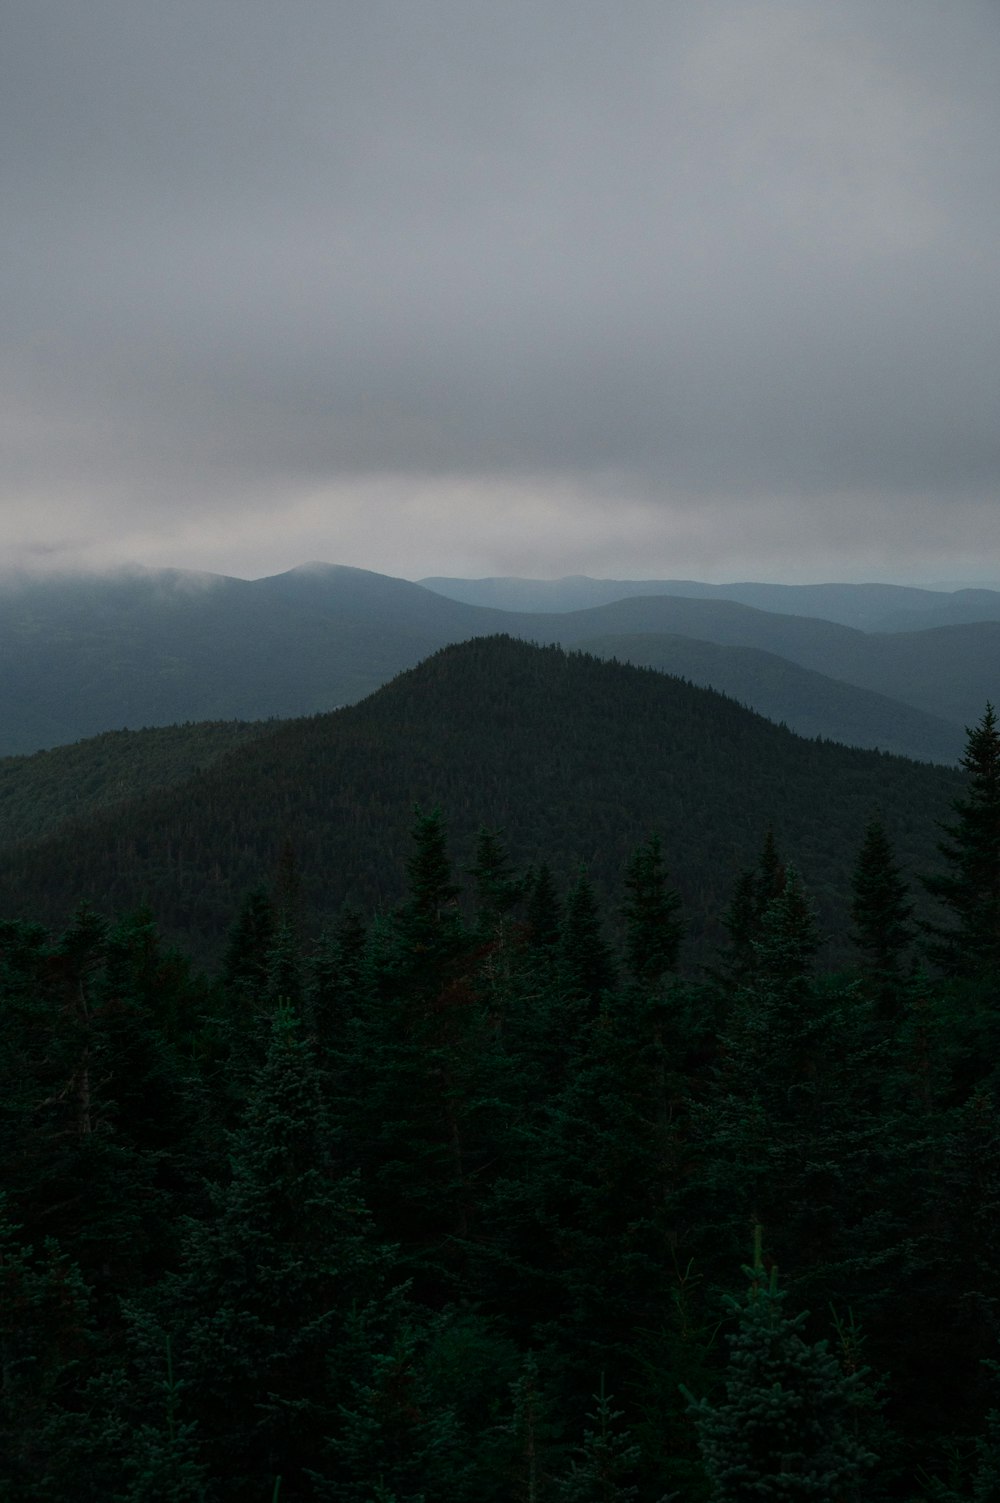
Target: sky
column 660, row 288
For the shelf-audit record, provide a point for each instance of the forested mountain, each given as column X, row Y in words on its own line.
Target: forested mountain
column 500, row 733
column 869, row 607
column 810, row 704
column 948, row 671
column 488, row 1192
column 81, row 656
column 38, row 793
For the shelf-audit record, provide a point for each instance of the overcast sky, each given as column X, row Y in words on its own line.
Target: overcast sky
column 703, row 288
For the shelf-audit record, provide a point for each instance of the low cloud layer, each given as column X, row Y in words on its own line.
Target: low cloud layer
column 467, row 288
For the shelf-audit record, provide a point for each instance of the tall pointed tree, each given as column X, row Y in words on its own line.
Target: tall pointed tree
column 585, row 961
column 970, row 887
column 267, row 1287
column 785, row 1430
column 882, row 914
column 653, row 926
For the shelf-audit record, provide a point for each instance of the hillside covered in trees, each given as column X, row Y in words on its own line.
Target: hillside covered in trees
column 574, row 758
column 485, row 1193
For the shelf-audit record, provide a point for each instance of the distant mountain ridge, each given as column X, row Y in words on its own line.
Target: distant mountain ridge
column 868, row 607
column 809, row 703
column 79, row 656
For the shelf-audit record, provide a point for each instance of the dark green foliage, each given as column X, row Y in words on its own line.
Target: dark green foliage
column 882, row 914
column 744, row 919
column 163, row 1465
column 586, row 965
column 465, row 730
column 267, row 1285
column 653, row 927
column 498, row 889
column 47, row 1336
column 970, row 888
column 247, row 964
column 96, row 1132
column 786, row 1428
column 795, row 1126
column 607, row 1460
column 335, row 983
column 543, row 918
column 41, row 793
column 480, row 1150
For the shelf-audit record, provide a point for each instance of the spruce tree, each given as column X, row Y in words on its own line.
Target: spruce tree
column 653, row 926
column 785, row 1430
column 603, row 1470
column 755, row 889
column 882, row 914
column 266, row 1287
column 970, row 888
column 586, row 965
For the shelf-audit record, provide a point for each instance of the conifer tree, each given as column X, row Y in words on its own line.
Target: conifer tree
column 970, row 888
column 544, row 914
column 785, row 1429
column 421, row 1086
column 251, row 941
column 258, row 1309
column 755, row 890
column 653, row 926
column 47, row 1343
column 607, row 1460
column 336, row 986
column 882, row 914
column 162, row 1463
column 498, row 888
column 585, row 960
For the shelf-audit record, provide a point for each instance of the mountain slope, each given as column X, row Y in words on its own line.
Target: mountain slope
column 41, row 792
column 81, row 656
column 577, row 759
column 810, row 704
column 869, row 607
column 949, row 671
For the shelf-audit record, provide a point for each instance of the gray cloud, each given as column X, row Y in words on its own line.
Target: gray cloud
column 694, row 289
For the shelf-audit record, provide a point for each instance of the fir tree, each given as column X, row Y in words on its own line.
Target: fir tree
column 970, row 888
column 266, row 1285
column 882, row 914
column 585, row 961
column 544, row 913
column 47, row 1343
column 755, row 890
column 653, row 928
column 785, row 1429
column 607, row 1461
column 498, row 888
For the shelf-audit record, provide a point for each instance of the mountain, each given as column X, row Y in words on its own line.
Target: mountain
column 49, row 789
column 577, row 759
column 810, row 704
column 948, row 671
column 869, row 607
column 84, row 654
column 80, row 656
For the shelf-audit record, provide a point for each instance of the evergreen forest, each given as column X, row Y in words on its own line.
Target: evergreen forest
column 533, row 1174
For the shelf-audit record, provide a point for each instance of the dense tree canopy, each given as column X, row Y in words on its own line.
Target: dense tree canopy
column 450, row 1201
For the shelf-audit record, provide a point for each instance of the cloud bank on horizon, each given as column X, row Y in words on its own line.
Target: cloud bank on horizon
column 687, row 289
